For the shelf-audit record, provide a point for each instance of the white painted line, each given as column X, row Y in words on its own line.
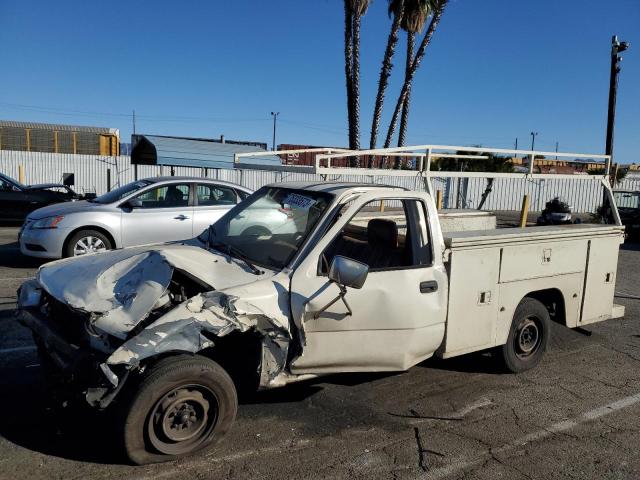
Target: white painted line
column 558, row 427
column 482, row 402
column 17, row 349
column 202, row 463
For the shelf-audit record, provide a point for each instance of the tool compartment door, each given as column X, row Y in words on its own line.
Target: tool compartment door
column 600, row 279
column 473, row 300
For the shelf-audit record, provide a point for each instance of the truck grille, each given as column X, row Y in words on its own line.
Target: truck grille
column 68, row 323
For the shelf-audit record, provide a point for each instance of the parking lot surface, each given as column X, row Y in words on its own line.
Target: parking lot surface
column 577, row 415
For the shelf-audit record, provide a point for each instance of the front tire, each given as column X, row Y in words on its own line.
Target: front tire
column 528, row 336
column 85, row 242
column 182, row 405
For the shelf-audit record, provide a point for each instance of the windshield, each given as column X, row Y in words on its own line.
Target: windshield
column 121, row 192
column 270, row 226
column 7, row 182
column 627, row 199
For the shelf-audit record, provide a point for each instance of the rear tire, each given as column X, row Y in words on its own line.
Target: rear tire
column 183, row 404
column 85, row 242
column 528, row 336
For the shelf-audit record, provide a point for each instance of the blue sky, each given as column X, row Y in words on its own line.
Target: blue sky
column 496, row 70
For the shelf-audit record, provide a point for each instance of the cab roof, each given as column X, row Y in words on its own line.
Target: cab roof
column 335, row 188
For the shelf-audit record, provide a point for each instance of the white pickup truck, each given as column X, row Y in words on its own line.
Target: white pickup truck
column 165, row 334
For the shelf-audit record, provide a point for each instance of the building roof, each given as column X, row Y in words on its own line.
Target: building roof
column 193, row 152
column 58, row 127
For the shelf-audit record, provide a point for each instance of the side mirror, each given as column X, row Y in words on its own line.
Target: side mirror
column 133, row 203
column 345, row 272
column 348, row 272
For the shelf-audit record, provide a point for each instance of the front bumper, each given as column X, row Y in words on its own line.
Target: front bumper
column 43, row 243
column 76, row 372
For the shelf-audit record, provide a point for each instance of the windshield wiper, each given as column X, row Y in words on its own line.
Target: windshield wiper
column 234, row 252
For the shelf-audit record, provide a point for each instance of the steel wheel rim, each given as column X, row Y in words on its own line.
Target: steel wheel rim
column 88, row 244
column 528, row 337
column 182, row 419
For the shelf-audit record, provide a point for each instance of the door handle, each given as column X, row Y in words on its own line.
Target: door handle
column 429, row 286
column 181, row 217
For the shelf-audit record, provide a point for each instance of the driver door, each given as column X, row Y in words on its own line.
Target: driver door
column 399, row 313
column 166, row 215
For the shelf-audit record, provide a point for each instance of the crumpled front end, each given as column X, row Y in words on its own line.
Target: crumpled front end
column 141, row 306
column 195, row 324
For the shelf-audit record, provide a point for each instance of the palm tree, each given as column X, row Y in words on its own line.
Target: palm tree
column 416, row 14
column 354, row 10
column 396, row 9
column 437, row 7
column 348, row 64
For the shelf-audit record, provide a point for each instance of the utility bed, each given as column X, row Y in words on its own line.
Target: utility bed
column 495, row 267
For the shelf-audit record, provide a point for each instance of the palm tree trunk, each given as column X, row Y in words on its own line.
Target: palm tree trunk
column 437, row 14
column 383, row 81
column 348, row 65
column 355, row 86
column 411, row 43
column 404, row 117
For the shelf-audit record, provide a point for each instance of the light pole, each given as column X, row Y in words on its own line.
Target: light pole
column 616, row 48
column 533, row 139
column 275, row 118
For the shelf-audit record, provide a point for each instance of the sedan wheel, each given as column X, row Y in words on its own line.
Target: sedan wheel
column 88, row 245
column 85, row 242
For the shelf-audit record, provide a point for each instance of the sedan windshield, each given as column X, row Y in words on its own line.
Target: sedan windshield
column 269, row 227
column 121, row 192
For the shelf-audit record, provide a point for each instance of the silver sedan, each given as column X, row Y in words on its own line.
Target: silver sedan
column 152, row 210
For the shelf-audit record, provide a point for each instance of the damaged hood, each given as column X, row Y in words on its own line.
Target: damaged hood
column 121, row 287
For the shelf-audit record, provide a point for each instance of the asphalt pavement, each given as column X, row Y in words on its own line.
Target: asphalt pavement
column 577, row 415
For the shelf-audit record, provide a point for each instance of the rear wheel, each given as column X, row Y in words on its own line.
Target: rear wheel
column 182, row 405
column 528, row 336
column 85, row 242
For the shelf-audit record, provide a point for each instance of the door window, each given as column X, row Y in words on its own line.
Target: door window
column 166, row 196
column 392, row 236
column 5, row 186
column 216, row 195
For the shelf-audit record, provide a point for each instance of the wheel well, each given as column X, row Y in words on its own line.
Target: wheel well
column 240, row 354
column 553, row 300
column 104, row 231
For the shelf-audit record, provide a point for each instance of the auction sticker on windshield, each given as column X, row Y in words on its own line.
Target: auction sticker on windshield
column 295, row 200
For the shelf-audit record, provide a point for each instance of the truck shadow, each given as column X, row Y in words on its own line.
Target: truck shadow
column 30, row 421
column 476, row 362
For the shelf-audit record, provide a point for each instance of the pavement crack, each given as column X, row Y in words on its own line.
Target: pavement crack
column 422, row 463
column 570, row 392
column 507, row 465
column 422, row 458
column 631, row 356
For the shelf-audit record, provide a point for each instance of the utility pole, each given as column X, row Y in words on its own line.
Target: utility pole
column 616, row 48
column 556, row 150
column 533, row 144
column 516, row 155
column 275, row 118
column 134, row 121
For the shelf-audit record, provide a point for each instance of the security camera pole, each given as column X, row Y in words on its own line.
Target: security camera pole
column 616, row 48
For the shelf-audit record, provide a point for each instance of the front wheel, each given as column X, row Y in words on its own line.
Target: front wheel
column 182, row 405
column 85, row 242
column 528, row 336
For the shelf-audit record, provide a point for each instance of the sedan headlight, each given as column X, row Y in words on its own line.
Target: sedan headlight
column 47, row 222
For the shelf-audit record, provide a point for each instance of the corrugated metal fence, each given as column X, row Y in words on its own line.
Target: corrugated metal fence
column 91, row 176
